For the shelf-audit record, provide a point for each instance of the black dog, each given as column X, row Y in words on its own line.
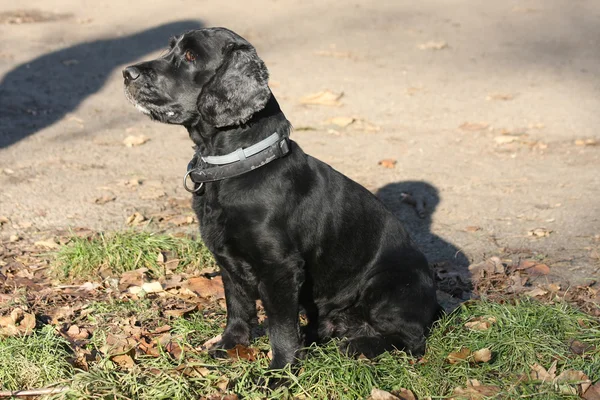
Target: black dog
column 284, row 227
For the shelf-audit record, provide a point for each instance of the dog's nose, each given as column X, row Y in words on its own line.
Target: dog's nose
column 131, row 74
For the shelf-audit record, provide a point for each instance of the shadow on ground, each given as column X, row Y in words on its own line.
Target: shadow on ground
column 40, row 92
column 449, row 262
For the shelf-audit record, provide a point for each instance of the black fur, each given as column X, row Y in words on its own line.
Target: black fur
column 295, row 232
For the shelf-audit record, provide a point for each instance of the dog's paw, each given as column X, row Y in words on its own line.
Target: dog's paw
column 217, row 347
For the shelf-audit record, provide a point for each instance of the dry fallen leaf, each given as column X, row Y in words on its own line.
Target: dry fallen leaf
column 211, row 342
column 378, row 394
column 388, row 163
column 482, row 355
column 474, row 126
column 579, row 378
column 539, row 373
column 105, row 199
column 580, row 348
column 123, row 360
column 458, row 356
column 242, row 352
column 132, row 278
column 472, row 228
column 536, row 292
column 133, row 140
column 474, row 391
column 152, row 287
column 593, row 392
column 492, row 265
column 505, row 139
column 480, row 323
column 74, row 332
column 433, row 45
column 17, row 323
column 539, row 232
column 323, row 98
column 205, row 287
column 48, row 243
column 586, row 142
column 135, row 218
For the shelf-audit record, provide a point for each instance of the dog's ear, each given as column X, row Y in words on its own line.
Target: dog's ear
column 238, row 89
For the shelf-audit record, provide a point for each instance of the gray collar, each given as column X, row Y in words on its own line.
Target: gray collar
column 241, row 154
column 236, row 163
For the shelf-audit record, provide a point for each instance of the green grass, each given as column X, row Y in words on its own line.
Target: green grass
column 34, row 361
column 86, row 258
column 526, row 332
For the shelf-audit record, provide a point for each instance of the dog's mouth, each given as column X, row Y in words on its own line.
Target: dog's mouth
column 157, row 109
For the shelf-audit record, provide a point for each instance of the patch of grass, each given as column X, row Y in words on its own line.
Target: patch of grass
column 525, row 332
column 84, row 258
column 33, row 361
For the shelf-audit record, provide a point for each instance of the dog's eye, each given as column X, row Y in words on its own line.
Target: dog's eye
column 189, row 56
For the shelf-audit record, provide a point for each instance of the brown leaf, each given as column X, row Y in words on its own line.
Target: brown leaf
column 132, row 278
column 135, row 219
column 241, row 351
column 539, row 232
column 74, row 332
column 492, row 265
column 135, row 140
column 174, row 349
column 211, row 342
column 593, row 392
column 482, row 355
column 580, row 348
column 378, row 394
column 472, row 228
column 388, row 163
column 539, row 373
column 475, row 391
column 105, row 199
column 152, row 287
column 48, row 243
column 505, row 139
column 480, row 323
column 536, row 292
column 586, row 142
column 404, row 394
column 433, row 45
column 123, row 360
column 474, row 126
column 579, row 378
column 458, row 356
column 206, row 287
column 323, row 98
column 180, row 312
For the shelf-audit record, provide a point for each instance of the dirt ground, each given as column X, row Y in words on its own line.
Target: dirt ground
column 490, row 110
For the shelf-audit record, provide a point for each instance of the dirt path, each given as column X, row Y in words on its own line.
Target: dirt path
column 489, row 108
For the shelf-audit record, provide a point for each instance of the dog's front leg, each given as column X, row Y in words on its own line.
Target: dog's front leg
column 279, row 293
column 241, row 315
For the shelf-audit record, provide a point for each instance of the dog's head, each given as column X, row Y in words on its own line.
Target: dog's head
column 213, row 74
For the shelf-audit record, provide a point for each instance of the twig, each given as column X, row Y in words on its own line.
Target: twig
column 33, row 392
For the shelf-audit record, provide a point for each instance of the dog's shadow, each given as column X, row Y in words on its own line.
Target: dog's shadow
column 40, row 92
column 414, row 203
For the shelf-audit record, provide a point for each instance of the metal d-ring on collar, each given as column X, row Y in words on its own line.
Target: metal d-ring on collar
column 235, row 163
column 190, row 168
